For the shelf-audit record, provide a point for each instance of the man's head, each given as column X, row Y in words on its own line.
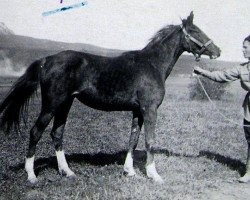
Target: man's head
column 246, row 47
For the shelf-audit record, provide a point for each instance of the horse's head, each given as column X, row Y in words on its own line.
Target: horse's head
column 196, row 41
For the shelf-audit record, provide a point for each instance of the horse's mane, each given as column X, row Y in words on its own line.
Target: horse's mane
column 162, row 35
column 159, row 37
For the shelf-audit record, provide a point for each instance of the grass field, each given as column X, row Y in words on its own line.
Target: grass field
column 198, row 154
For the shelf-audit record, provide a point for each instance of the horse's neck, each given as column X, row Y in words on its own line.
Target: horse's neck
column 164, row 56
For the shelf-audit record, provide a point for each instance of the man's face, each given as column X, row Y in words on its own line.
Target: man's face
column 246, row 49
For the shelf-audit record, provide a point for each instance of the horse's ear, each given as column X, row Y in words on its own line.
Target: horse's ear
column 190, row 18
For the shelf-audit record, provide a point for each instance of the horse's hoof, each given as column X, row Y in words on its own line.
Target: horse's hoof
column 152, row 173
column 62, row 172
column 129, row 173
column 72, row 177
column 245, row 178
column 67, row 173
column 33, row 181
column 158, row 180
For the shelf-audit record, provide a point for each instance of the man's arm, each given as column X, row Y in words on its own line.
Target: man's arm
column 220, row 76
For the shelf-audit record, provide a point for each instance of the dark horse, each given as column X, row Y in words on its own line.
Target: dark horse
column 133, row 81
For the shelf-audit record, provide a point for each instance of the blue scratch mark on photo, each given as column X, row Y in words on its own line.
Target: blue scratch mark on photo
column 64, row 9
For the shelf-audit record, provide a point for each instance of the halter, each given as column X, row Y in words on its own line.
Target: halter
column 189, row 37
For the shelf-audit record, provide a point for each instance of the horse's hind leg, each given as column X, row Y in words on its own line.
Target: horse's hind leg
column 137, row 123
column 57, row 137
column 35, row 135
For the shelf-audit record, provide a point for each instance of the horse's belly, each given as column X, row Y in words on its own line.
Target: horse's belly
column 96, row 100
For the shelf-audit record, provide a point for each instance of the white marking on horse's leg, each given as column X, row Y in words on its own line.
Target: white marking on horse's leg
column 63, row 165
column 152, row 173
column 128, row 165
column 29, row 167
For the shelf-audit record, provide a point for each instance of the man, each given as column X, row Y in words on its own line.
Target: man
column 242, row 73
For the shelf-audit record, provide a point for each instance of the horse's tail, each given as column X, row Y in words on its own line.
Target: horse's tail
column 15, row 105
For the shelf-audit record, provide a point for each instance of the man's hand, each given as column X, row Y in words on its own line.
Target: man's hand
column 197, row 70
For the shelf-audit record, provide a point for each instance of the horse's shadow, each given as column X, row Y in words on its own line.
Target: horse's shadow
column 102, row 159
column 233, row 164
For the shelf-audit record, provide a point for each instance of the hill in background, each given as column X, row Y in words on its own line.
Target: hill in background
column 4, row 30
column 18, row 52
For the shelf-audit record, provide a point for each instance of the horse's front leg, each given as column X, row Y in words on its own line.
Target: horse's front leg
column 137, row 123
column 150, row 116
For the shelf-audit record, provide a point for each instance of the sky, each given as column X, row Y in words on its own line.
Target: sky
column 129, row 24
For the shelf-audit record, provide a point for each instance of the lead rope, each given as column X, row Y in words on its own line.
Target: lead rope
column 214, row 105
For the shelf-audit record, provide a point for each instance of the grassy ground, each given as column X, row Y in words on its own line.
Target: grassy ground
column 198, row 154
